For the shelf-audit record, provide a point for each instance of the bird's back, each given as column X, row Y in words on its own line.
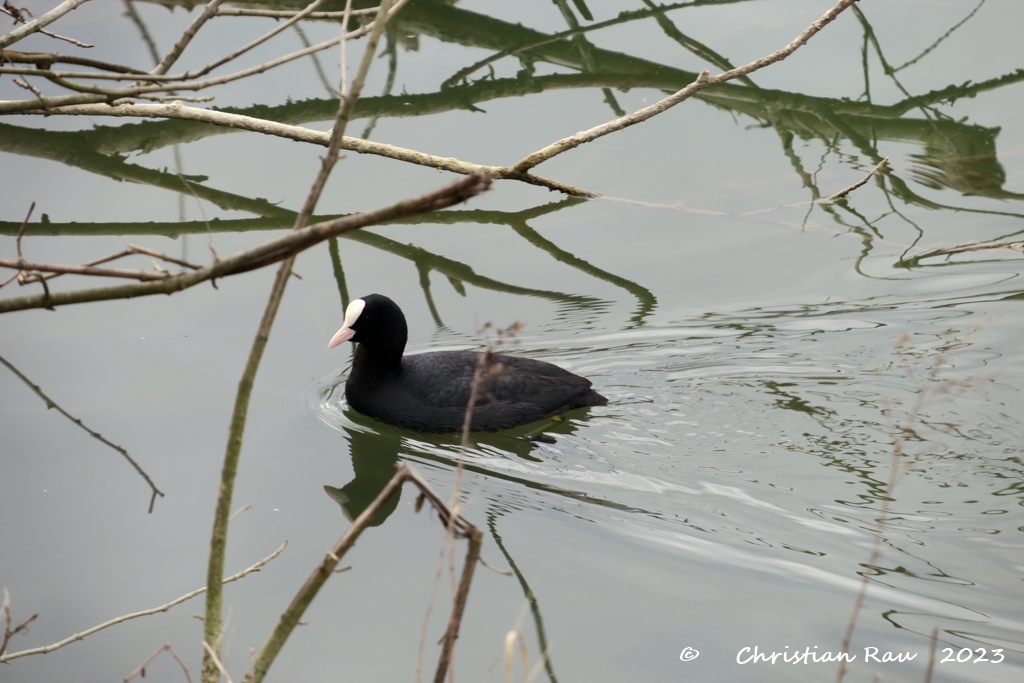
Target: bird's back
column 430, row 392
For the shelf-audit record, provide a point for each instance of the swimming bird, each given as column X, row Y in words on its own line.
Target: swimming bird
column 429, row 392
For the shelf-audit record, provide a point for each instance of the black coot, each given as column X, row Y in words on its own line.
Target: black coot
column 428, row 392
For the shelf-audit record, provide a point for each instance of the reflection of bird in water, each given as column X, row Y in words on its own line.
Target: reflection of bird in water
column 965, row 162
column 374, row 462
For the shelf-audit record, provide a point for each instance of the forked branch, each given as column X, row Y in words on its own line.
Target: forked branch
column 452, row 520
column 704, row 80
column 85, row 105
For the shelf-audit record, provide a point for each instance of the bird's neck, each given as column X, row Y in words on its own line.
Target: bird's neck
column 379, row 360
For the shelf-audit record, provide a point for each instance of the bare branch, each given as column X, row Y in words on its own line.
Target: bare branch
column 162, row 256
column 9, row 632
column 208, row 12
column 294, row 17
column 21, row 229
column 323, row 571
column 38, row 277
column 265, row 254
column 166, row 647
column 163, row 608
column 46, row 60
column 66, row 39
column 50, row 403
column 25, row 85
column 39, row 23
column 451, row 634
column 286, row 14
column 21, row 265
column 93, row 94
column 879, row 168
column 618, row 124
column 349, row 97
column 703, row 81
column 232, row 455
column 216, row 660
column 85, row 104
column 303, row 134
column 291, row 20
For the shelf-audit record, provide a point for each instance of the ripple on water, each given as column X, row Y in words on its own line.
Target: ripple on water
column 762, row 442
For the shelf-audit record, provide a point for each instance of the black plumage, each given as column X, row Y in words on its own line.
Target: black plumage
column 429, row 392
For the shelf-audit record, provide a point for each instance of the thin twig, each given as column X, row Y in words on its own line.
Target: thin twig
column 285, row 14
column 901, row 462
column 703, row 81
column 9, row 632
column 40, row 22
column 879, row 168
column 208, row 12
column 21, row 229
column 166, row 647
column 50, row 403
column 348, row 102
column 297, row 16
column 479, row 370
column 143, row 275
column 475, row 537
column 480, row 373
column 94, row 94
column 931, row 655
column 163, row 257
column 291, row 18
column 50, row 274
column 244, row 508
column 327, row 566
column 447, row 550
column 126, row 617
column 554, row 149
column 22, row 83
column 21, row 232
column 216, row 661
column 876, row 544
column 87, row 94
column 232, row 455
column 66, row 39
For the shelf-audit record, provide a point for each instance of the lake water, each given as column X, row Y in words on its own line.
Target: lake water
column 802, row 393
